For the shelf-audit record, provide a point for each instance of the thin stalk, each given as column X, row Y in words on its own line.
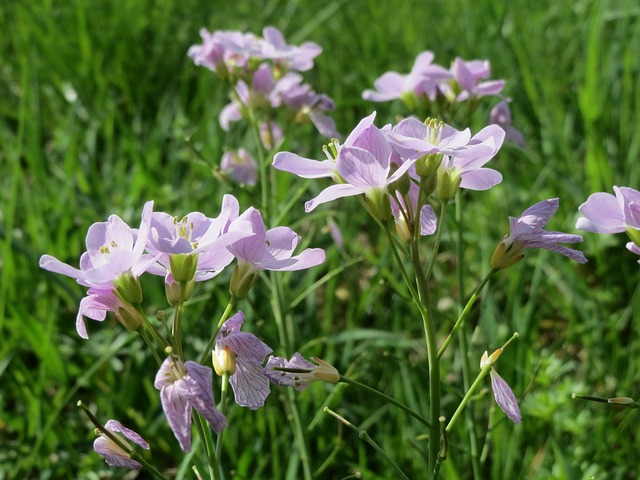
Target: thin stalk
column 176, row 329
column 145, row 336
column 436, row 245
column 205, row 436
column 386, row 398
column 223, row 407
column 207, row 351
column 465, row 311
column 363, row 435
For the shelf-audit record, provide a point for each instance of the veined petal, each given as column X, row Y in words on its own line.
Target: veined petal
column 505, row 398
column 481, row 179
column 428, row 220
column 602, row 214
column 281, row 241
column 361, row 168
column 250, row 385
column 178, row 412
column 306, row 259
column 361, row 127
column 199, row 393
column 52, row 264
column 247, row 347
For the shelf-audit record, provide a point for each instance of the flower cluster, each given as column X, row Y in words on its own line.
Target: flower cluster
column 263, row 72
column 605, row 213
column 183, row 251
column 373, row 162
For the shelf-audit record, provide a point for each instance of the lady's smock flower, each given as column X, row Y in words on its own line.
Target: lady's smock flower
column 299, row 372
column 241, row 355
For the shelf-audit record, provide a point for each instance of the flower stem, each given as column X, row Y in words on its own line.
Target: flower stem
column 436, row 245
column 363, row 435
column 176, row 329
column 206, row 354
column 387, row 398
column 223, row 407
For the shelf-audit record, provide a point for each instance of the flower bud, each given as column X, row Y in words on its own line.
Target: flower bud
column 379, row 204
column 488, row 360
column 448, row 184
column 128, row 288
column 178, row 293
column 183, row 266
column 129, row 316
column 242, row 280
column 428, row 165
column 224, row 361
column 621, row 400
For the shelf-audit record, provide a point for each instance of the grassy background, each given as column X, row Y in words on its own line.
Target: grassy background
column 101, row 110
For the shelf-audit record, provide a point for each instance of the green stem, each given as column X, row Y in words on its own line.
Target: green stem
column 483, row 373
column 465, row 312
column 436, row 245
column 363, row 435
column 177, row 328
column 204, row 432
column 387, row 398
column 122, row 444
column 206, row 354
column 223, row 407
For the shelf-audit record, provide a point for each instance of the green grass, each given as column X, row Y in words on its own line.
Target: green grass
column 101, row 110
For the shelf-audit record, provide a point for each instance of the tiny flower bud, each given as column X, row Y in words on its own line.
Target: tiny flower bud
column 378, row 201
column 178, row 292
column 448, row 184
column 505, row 255
column 242, row 280
column 428, row 165
column 488, row 360
column 128, row 288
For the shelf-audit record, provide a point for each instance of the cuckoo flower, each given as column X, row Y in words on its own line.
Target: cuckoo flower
column 422, row 80
column 527, row 231
column 196, row 237
column 224, row 51
column 604, row 213
column 468, row 75
column 241, row 355
column 308, row 168
column 183, row 387
column 111, row 266
column 299, row 372
column 502, row 392
column 365, row 170
column 240, row 165
column 265, row 250
column 113, row 454
column 274, row 47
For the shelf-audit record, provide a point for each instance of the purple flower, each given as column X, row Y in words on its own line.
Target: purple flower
column 527, row 231
column 195, row 234
column 240, row 165
column 275, row 48
column 501, row 116
column 365, row 169
column 184, row 386
column 465, row 168
column 241, row 355
column 504, row 396
column 301, row 371
column 271, row 135
column 604, row 213
column 405, row 210
column 423, row 79
column 113, row 454
column 308, row 168
column 113, row 262
column 468, row 75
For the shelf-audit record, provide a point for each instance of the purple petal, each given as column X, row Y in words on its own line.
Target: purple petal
column 389, row 86
column 199, row 393
column 52, row 264
column 361, row 168
column 177, row 409
column 248, row 348
column 250, row 385
column 324, row 124
column 113, row 454
column 505, row 398
column 363, row 124
column 602, row 214
column 481, row 179
column 117, row 427
column 541, row 212
column 428, row 220
column 303, row 167
column 308, row 258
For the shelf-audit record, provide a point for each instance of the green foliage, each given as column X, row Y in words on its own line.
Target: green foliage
column 101, row 110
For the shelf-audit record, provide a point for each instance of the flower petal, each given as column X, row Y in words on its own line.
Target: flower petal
column 505, row 398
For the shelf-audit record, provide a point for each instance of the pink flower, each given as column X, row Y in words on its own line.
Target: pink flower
column 113, row 454
column 240, row 165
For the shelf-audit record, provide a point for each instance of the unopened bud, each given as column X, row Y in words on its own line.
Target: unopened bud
column 183, row 266
column 224, row 361
column 488, row 360
column 621, row 400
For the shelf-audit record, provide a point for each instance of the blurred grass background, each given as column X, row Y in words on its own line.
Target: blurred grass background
column 101, row 110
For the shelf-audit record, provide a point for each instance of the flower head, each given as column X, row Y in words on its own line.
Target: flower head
column 184, row 386
column 299, row 372
column 527, row 231
column 241, row 355
column 113, row 454
column 266, row 250
column 468, row 75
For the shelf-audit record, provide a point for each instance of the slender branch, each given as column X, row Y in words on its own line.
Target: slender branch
column 207, row 351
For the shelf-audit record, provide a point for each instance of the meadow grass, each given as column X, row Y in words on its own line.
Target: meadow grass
column 101, row 110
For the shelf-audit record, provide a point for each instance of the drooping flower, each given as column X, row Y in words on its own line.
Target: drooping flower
column 265, row 250
column 308, row 168
column 241, row 355
column 183, row 387
column 240, row 165
column 299, row 372
column 423, row 80
column 196, row 244
column 527, row 231
column 110, row 267
column 504, row 396
column 502, row 392
column 113, row 454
